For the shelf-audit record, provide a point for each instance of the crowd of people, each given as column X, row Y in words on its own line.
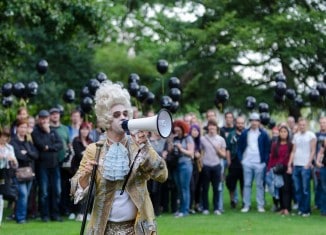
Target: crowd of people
column 199, row 155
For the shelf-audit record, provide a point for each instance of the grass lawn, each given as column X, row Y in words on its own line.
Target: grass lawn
column 231, row 222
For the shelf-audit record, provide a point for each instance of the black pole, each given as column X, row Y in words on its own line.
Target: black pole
column 91, row 186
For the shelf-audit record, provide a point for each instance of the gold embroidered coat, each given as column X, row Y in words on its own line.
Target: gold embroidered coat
column 147, row 165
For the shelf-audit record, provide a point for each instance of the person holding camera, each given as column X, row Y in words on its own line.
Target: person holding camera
column 183, row 150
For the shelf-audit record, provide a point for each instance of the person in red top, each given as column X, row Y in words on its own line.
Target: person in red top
column 280, row 154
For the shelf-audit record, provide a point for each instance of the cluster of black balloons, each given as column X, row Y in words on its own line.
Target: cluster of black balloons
column 263, row 108
column 171, row 101
column 19, row 90
column 87, row 93
column 140, row 92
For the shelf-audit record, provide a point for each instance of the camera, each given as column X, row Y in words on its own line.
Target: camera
column 176, row 150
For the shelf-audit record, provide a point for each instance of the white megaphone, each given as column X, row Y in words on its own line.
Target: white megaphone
column 161, row 123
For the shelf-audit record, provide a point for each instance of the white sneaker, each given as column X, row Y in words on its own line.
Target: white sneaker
column 217, row 212
column 245, row 209
column 179, row 215
column 72, row 216
column 295, row 206
column 205, row 212
column 79, row 217
column 261, row 209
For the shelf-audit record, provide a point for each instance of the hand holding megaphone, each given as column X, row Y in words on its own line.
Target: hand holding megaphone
column 161, row 123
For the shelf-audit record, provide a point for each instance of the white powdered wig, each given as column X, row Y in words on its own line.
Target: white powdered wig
column 107, row 96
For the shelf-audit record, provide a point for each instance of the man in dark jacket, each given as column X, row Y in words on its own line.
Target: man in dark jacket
column 253, row 152
column 48, row 143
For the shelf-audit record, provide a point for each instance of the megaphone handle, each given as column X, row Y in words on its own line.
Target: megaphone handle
column 129, row 173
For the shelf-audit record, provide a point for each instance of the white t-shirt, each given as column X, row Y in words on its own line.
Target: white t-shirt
column 251, row 153
column 302, row 147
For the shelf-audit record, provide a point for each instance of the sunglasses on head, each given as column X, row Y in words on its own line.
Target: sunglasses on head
column 117, row 114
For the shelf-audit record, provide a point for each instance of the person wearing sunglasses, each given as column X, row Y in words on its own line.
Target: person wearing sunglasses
column 126, row 162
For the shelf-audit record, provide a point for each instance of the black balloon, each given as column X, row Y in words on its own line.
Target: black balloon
column 174, row 82
column 133, row 88
column 271, row 124
column 93, row 84
column 101, row 77
column 69, row 96
column 174, row 106
column 150, row 98
column 263, row 107
column 162, row 66
column 175, row 94
column 250, row 102
column 299, row 102
column 321, row 87
column 86, row 104
column 166, row 102
column 7, row 101
column 61, row 109
column 42, row 66
column 85, row 92
column 31, row 89
column 222, row 95
column 19, row 89
column 280, row 78
column 314, row 95
column 264, row 118
column 142, row 93
column 280, row 88
column 133, row 78
column 290, row 94
column 6, row 89
column 279, row 98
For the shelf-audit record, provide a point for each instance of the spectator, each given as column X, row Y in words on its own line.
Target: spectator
column 48, row 143
column 22, row 114
column 253, row 152
column 26, row 154
column 79, row 145
column 235, row 172
column 321, row 163
column 76, row 120
column 302, row 155
column 213, row 146
column 280, row 155
column 183, row 149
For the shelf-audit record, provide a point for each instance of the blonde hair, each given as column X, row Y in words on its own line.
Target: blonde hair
column 107, row 96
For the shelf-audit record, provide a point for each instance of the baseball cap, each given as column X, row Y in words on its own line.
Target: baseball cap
column 54, row 110
column 43, row 113
column 254, row 117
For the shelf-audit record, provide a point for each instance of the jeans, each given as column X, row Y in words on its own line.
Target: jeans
column 184, row 174
column 211, row 174
column 50, row 191
column 22, row 202
column 301, row 179
column 317, row 186
column 251, row 171
column 323, row 194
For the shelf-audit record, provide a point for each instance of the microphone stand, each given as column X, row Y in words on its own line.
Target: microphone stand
column 91, row 186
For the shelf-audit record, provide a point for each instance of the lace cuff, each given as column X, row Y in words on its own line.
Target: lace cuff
column 80, row 193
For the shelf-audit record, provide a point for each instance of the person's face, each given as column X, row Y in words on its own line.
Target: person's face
column 75, row 118
column 194, row 133
column 22, row 129
column 119, row 113
column 177, row 131
column 84, row 132
column 43, row 121
column 55, row 117
column 4, row 139
column 210, row 116
column 212, row 129
column 254, row 124
column 283, row 134
column 22, row 115
column 322, row 123
column 240, row 124
column 229, row 119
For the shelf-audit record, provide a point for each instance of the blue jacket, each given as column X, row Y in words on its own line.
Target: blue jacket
column 263, row 145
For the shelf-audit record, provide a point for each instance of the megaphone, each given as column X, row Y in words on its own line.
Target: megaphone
column 161, row 123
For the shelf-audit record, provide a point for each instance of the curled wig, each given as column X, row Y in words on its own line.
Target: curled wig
column 107, row 96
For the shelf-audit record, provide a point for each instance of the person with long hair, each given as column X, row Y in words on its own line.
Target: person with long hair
column 26, row 154
column 280, row 155
column 79, row 145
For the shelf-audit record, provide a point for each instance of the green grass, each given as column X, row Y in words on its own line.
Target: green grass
column 231, row 222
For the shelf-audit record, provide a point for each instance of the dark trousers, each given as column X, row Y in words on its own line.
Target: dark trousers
column 211, row 174
column 286, row 192
column 66, row 203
